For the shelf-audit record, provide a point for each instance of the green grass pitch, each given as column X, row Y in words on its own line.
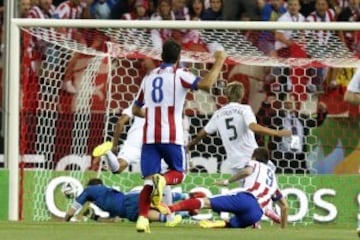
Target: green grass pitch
column 126, row 231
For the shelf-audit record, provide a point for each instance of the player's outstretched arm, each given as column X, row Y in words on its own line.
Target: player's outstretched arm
column 197, row 139
column 282, row 203
column 210, row 78
column 261, row 130
column 75, row 207
column 245, row 172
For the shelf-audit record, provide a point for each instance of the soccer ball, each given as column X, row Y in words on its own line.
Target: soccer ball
column 69, row 189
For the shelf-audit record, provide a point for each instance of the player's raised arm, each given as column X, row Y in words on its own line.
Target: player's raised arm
column 257, row 128
column 243, row 173
column 210, row 78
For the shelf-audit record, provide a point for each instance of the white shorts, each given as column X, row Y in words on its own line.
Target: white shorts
column 130, row 154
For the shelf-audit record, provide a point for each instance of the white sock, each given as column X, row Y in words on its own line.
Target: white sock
column 170, row 217
column 112, row 161
column 167, row 199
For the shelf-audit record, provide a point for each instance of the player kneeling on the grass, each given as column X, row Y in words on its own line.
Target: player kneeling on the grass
column 247, row 206
column 117, row 204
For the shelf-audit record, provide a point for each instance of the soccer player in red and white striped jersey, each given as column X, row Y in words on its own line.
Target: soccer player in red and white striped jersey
column 44, row 10
column 261, row 188
column 70, row 9
column 322, row 14
column 325, row 39
column 162, row 94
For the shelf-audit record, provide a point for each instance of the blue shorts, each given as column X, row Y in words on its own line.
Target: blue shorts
column 243, row 205
column 152, row 154
column 131, row 202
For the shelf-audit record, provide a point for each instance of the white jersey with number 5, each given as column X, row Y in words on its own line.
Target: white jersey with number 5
column 232, row 122
column 163, row 92
column 262, row 183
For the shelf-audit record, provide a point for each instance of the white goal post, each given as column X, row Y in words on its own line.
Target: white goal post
column 11, row 114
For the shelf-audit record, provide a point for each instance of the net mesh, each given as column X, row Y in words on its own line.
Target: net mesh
column 63, row 126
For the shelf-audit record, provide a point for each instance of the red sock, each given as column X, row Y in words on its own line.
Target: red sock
column 173, row 177
column 145, row 200
column 186, row 205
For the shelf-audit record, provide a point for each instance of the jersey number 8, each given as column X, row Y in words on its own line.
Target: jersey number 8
column 157, row 92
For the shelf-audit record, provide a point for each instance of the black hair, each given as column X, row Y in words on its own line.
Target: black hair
column 171, row 51
column 95, row 181
column 261, row 154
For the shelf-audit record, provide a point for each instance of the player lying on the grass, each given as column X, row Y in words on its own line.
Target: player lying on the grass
column 237, row 125
column 247, row 206
column 117, row 204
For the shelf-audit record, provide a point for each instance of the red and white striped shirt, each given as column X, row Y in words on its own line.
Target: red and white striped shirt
column 37, row 12
column 262, row 183
column 67, row 10
column 163, row 93
column 40, row 33
column 322, row 36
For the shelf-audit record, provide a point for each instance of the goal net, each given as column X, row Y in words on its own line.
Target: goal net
column 75, row 88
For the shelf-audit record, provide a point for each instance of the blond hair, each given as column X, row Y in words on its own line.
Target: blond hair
column 234, row 91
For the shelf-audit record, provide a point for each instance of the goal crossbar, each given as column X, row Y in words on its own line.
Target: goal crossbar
column 149, row 24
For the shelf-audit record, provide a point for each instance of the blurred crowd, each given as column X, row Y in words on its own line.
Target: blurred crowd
column 233, row 10
column 278, row 43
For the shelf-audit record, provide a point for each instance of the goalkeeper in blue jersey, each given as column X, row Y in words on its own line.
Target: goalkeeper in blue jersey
column 116, row 203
